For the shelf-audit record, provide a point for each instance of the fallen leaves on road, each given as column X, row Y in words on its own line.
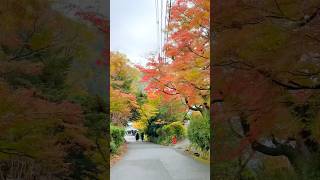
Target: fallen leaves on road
column 116, row 157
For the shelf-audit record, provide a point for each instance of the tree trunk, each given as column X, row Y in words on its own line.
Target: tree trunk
column 300, row 162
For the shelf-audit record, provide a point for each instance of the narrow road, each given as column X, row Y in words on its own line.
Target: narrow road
column 147, row 161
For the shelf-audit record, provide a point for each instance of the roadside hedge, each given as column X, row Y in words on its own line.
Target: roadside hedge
column 199, row 131
column 166, row 132
column 175, row 129
column 117, row 137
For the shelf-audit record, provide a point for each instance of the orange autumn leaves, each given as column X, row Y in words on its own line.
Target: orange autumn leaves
column 184, row 71
column 122, row 98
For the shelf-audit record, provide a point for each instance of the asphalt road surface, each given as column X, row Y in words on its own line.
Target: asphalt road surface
column 147, row 161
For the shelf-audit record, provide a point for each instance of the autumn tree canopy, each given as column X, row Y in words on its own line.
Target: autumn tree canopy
column 47, row 129
column 184, row 70
column 123, row 87
column 266, row 79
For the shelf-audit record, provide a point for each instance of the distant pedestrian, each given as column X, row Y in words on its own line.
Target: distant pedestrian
column 137, row 136
column 142, row 136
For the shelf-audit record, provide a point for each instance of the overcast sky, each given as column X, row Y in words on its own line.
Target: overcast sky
column 133, row 28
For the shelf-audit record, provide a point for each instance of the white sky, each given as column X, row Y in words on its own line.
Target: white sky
column 133, row 28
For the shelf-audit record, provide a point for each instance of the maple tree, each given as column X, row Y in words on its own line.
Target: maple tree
column 185, row 69
column 57, row 128
column 266, row 81
column 122, row 92
column 39, row 49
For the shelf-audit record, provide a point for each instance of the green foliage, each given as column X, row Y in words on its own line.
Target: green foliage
column 141, row 97
column 174, row 129
column 169, row 113
column 199, row 131
column 147, row 111
column 113, row 147
column 163, row 134
column 117, row 137
column 152, row 128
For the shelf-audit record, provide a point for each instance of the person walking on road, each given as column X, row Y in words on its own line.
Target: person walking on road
column 137, row 136
column 142, row 136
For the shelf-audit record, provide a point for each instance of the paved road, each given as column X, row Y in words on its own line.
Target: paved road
column 147, row 161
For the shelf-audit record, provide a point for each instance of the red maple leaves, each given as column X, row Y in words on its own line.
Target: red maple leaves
column 184, row 70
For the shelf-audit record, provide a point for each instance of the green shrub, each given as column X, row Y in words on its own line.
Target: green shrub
column 199, row 131
column 174, row 129
column 117, row 137
column 113, row 147
column 166, row 132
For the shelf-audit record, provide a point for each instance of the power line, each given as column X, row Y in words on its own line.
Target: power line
column 157, row 24
column 161, row 23
column 163, row 16
column 169, row 16
column 165, row 30
column 167, row 22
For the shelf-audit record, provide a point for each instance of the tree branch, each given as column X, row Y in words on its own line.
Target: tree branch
column 271, row 151
column 14, row 152
column 190, row 49
column 278, row 150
